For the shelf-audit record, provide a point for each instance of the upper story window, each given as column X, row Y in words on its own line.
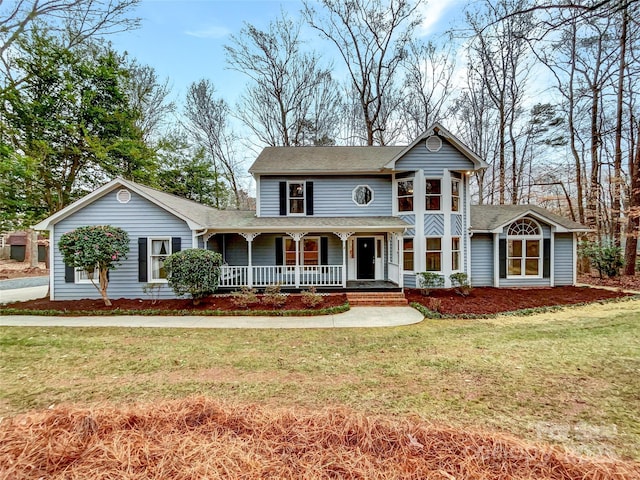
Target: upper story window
column 524, row 252
column 295, row 198
column 455, row 195
column 362, row 195
column 405, row 195
column 433, row 189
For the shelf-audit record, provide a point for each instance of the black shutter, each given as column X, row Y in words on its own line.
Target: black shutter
column 69, row 274
column 309, row 195
column 324, row 251
column 283, row 198
column 142, row 259
column 279, row 257
column 176, row 244
column 502, row 257
column 546, row 258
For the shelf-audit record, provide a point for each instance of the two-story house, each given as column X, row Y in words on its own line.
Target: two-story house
column 333, row 218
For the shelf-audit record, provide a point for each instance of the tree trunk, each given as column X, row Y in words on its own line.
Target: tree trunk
column 31, row 250
column 633, row 219
column 104, row 283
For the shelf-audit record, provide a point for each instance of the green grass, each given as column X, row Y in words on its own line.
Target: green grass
column 572, row 377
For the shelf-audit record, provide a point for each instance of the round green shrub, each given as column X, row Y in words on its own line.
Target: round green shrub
column 195, row 272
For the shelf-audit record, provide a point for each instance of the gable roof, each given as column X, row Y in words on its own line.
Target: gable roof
column 193, row 213
column 347, row 160
column 323, row 160
column 493, row 218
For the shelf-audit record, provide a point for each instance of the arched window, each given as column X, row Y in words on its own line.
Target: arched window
column 524, row 249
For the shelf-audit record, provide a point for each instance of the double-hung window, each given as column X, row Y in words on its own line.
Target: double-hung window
column 159, row 249
column 407, row 258
column 295, row 198
column 455, row 195
column 309, row 251
column 455, row 253
column 433, row 254
column 433, row 194
column 81, row 276
column 405, row 195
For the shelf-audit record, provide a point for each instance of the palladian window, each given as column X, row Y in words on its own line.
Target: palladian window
column 524, row 249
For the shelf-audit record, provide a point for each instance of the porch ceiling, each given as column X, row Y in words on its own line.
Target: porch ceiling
column 247, row 222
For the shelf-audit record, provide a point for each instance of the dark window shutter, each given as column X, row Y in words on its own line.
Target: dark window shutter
column 502, row 257
column 69, row 274
column 142, row 259
column 324, row 251
column 176, row 244
column 279, row 257
column 309, row 195
column 283, row 198
column 546, row 258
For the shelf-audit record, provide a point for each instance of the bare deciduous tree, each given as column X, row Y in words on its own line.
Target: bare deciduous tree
column 371, row 37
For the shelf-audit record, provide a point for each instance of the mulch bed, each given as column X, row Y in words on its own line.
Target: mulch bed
column 201, row 438
column 221, row 302
column 486, row 300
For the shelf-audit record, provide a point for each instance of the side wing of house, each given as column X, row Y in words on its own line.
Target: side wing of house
column 153, row 234
column 431, row 193
column 527, row 251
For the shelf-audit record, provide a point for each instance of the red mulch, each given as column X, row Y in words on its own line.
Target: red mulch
column 214, row 302
column 486, row 300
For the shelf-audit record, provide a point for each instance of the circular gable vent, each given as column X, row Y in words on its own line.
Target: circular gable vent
column 434, row 143
column 123, row 196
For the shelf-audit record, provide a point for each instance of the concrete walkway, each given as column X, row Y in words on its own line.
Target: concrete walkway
column 354, row 318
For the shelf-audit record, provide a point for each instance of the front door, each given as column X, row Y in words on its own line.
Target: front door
column 366, row 255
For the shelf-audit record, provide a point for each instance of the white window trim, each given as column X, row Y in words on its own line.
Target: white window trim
column 459, row 196
column 413, row 252
column 427, row 251
column 81, row 279
column 397, row 198
column 303, row 198
column 441, row 195
column 459, row 251
column 523, row 258
column 301, row 250
column 150, row 256
column 353, row 195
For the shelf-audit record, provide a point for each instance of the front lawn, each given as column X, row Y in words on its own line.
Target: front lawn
column 568, row 377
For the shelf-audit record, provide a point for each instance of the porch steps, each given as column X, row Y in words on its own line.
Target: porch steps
column 376, row 299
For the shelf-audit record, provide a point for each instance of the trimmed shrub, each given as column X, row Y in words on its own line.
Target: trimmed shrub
column 273, row 297
column 92, row 247
column 244, row 297
column 195, row 272
column 311, row 298
column 429, row 280
column 605, row 257
column 460, row 282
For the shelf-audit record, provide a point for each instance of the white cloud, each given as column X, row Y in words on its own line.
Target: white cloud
column 433, row 12
column 210, row 32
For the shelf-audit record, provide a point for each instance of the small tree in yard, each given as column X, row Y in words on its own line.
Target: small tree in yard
column 100, row 247
column 195, row 272
column 606, row 257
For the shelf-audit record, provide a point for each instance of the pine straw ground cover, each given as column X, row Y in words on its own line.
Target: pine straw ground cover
column 200, row 438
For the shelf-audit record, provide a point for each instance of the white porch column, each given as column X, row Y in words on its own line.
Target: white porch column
column 297, row 236
column 344, row 236
column 249, row 238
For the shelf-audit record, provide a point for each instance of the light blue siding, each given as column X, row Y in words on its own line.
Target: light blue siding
column 332, row 196
column 139, row 218
column 563, row 259
column 525, row 282
column 482, row 260
column 434, row 163
column 410, row 280
column 434, row 224
column 456, row 224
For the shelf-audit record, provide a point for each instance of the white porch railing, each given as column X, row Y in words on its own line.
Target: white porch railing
column 286, row 275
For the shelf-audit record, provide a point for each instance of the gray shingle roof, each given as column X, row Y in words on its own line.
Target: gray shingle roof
column 299, row 160
column 486, row 218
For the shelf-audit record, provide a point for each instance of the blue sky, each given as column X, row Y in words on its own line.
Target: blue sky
column 183, row 39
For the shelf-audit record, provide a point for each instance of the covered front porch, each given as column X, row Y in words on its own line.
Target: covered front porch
column 347, row 260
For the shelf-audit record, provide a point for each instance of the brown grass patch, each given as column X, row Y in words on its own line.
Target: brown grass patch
column 201, row 438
